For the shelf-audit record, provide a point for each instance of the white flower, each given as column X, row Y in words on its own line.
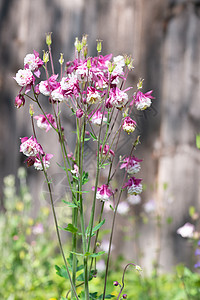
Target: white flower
column 186, row 231
column 24, row 77
column 123, row 208
column 31, row 61
column 134, row 199
column 57, row 95
column 43, row 88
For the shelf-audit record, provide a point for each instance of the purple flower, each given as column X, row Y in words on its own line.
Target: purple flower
column 197, row 251
column 30, row 146
column 129, row 125
column 197, row 265
column 134, row 186
column 142, row 101
column 104, row 193
column 131, row 164
column 19, row 101
column 45, row 159
column 43, row 123
column 96, row 117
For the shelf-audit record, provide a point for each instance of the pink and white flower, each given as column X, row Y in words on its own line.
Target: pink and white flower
column 104, row 193
column 82, row 72
column 33, row 63
column 24, row 77
column 129, row 125
column 47, row 86
column 58, row 95
column 134, row 186
column 69, row 83
column 187, row 230
column 97, row 116
column 43, row 123
column 106, row 152
column 93, row 95
column 30, row 146
column 131, row 164
column 19, row 101
column 143, row 101
column 117, row 98
column 45, row 159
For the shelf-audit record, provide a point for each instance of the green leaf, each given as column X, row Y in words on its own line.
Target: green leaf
column 198, row 141
column 93, row 136
column 62, row 272
column 97, row 254
column 84, row 177
column 98, row 226
column 192, row 211
column 63, row 168
column 70, row 204
column 71, row 228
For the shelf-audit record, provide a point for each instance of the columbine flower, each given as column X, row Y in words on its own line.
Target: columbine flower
column 149, row 206
column 45, row 159
column 47, row 86
column 30, row 146
column 79, row 113
column 134, row 186
column 129, row 125
column 134, row 199
column 104, row 193
column 117, row 98
column 186, row 231
column 142, row 101
column 43, row 123
column 24, row 77
column 69, row 83
column 96, row 117
column 119, row 60
column 107, row 152
column 38, row 229
column 131, row 164
column 123, row 208
column 58, row 95
column 82, row 73
column 19, row 101
column 33, row 63
column 75, row 171
column 92, row 95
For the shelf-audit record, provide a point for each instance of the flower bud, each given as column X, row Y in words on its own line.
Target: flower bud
column 61, row 60
column 84, row 39
column 139, row 84
column 99, row 46
column 115, row 283
column 89, row 63
column 79, row 113
column 31, row 111
column 45, row 57
column 19, row 101
column 78, row 45
column 48, row 38
column 124, row 296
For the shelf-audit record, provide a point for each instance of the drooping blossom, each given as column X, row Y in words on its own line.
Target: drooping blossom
column 70, row 84
column 30, row 146
column 75, row 171
column 43, row 123
column 79, row 113
column 149, row 206
column 129, row 125
column 134, row 199
column 117, row 98
column 33, row 62
column 19, row 101
column 104, row 193
column 38, row 229
column 45, row 159
column 187, row 230
column 134, row 186
column 97, row 116
column 47, row 86
column 123, row 208
column 106, row 152
column 25, row 78
column 143, row 101
column 93, row 95
column 131, row 164
column 58, row 95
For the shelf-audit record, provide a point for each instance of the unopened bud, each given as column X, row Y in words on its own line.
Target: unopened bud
column 45, row 57
column 48, row 38
column 115, row 283
column 78, row 45
column 31, row 111
column 138, row 268
column 61, row 60
column 139, row 84
column 128, row 62
column 89, row 63
column 99, row 46
column 124, row 296
column 84, row 39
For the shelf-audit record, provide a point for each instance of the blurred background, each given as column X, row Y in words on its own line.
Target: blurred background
column 163, row 38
